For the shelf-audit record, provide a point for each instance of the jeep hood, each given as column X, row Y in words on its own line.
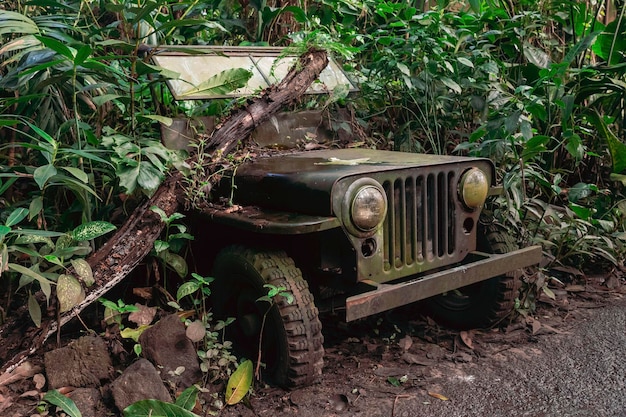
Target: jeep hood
column 303, row 182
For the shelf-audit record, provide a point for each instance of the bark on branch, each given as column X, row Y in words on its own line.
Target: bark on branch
column 134, row 240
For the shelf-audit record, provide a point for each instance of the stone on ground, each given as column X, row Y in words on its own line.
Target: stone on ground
column 83, row 363
column 166, row 345
column 88, row 401
column 140, row 381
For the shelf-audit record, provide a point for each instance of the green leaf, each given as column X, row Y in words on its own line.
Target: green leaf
column 35, row 207
column 162, row 214
column 82, row 54
column 13, row 22
column 4, row 230
column 16, row 216
column 618, row 177
column 186, row 289
column 83, row 270
column 43, row 173
column 575, row 146
column 44, row 233
column 128, row 178
column 8, row 122
column 582, row 212
column 403, row 69
column 34, row 310
column 134, row 334
column 156, row 408
column 465, row 62
column 580, row 47
column 616, row 147
column 8, row 183
column 144, row 68
column 222, row 83
column 167, row 121
column 149, row 177
column 475, row 5
column 68, row 406
column 105, row 98
column 86, row 155
column 394, row 381
column 580, row 191
column 176, row 261
column 160, row 246
column 69, row 251
column 534, row 146
column 69, row 292
column 43, row 281
column 239, row 383
column 92, row 230
column 54, row 260
column 44, row 135
column 4, row 258
column 188, row 398
column 452, row 85
column 57, row 47
column 536, row 56
column 78, row 173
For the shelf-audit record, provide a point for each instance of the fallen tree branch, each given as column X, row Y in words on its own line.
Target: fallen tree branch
column 135, row 239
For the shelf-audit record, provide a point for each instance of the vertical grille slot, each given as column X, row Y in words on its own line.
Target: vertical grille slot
column 420, row 227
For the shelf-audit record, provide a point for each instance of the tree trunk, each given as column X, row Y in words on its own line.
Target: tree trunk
column 135, row 239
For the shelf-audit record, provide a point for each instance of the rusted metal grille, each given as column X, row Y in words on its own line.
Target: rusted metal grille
column 420, row 227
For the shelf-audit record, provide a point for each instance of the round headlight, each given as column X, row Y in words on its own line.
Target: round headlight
column 474, row 187
column 368, row 208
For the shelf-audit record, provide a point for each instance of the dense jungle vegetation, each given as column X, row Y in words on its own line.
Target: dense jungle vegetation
column 537, row 86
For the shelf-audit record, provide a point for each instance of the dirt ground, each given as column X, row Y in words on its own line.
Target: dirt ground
column 382, row 365
column 375, row 366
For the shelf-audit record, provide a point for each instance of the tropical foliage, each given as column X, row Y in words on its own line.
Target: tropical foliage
column 539, row 87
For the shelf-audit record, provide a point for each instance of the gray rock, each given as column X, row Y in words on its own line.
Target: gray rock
column 140, row 381
column 83, row 363
column 166, row 345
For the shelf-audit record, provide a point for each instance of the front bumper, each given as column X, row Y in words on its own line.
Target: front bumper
column 481, row 267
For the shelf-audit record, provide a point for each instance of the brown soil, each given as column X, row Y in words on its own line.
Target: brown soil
column 377, row 363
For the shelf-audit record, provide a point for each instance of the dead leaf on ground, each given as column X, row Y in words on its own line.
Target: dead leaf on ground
column 535, row 324
column 143, row 316
column 143, row 292
column 545, row 329
column 405, row 343
column 5, row 402
column 39, row 380
column 25, row 370
column 412, row 359
column 575, row 288
column 30, row 394
column 438, row 396
column 466, row 337
column 196, row 331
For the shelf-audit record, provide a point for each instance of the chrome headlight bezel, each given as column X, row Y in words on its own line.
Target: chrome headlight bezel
column 474, row 188
column 362, row 195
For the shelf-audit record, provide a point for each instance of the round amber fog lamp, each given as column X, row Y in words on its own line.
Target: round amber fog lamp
column 368, row 208
column 474, row 188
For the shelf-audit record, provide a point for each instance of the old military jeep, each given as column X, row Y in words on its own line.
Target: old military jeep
column 358, row 231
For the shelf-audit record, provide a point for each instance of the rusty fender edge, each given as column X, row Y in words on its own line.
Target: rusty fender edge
column 388, row 296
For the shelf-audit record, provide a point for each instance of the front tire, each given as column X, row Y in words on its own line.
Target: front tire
column 292, row 342
column 485, row 303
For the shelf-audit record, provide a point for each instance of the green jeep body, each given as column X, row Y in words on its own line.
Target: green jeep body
column 356, row 229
